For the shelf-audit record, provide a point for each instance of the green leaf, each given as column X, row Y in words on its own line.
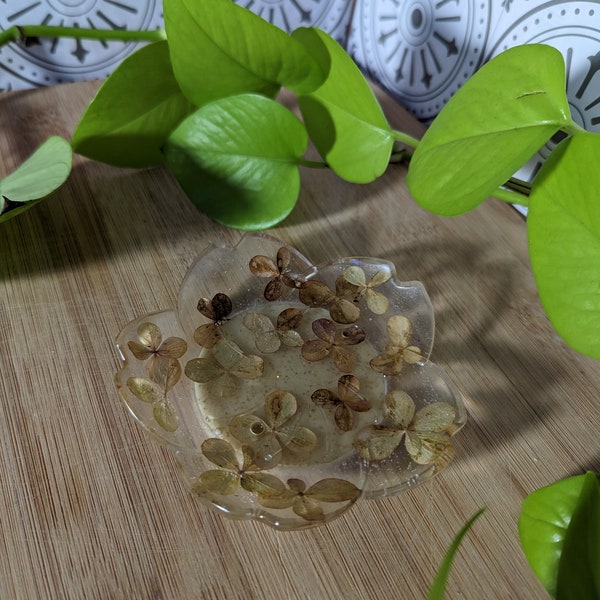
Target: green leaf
column 438, row 587
column 559, row 529
column 220, row 49
column 237, row 160
column 489, row 129
column 133, row 112
column 44, row 171
column 343, row 117
column 563, row 228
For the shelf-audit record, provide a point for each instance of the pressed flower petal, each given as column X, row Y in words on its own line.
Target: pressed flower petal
column 344, row 288
column 412, row 355
column 247, row 428
column 308, row 508
column 434, row 417
column 355, row 275
column 380, row 277
column 249, row 367
column 290, row 318
column 140, row 351
column 227, row 354
column 202, row 370
column 343, row 358
column 377, row 302
column 280, row 407
column 398, row 409
column 291, row 338
column 324, row 329
column 166, row 416
column 333, row 490
column 299, row 440
column 343, row 417
column 377, row 443
column 208, row 335
column 142, row 389
column 273, row 289
column 349, row 393
column 150, row 335
column 263, row 266
column 350, row 336
column 267, row 341
column 284, row 257
column 314, row 350
column 434, row 448
column 255, row 321
column 315, row 293
column 221, row 306
column 221, row 453
column 324, row 397
column 343, row 311
column 284, row 500
column 166, row 372
column 216, row 481
column 205, row 308
column 399, row 331
column 173, row 347
column 388, row 364
column 297, row 485
column 264, row 484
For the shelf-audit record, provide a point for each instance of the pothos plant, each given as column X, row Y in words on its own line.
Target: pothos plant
column 202, row 100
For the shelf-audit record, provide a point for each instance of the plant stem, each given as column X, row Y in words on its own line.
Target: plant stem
column 406, row 139
column 510, row 196
column 20, row 34
column 313, row 164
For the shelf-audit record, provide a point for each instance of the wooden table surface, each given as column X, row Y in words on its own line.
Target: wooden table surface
column 92, row 508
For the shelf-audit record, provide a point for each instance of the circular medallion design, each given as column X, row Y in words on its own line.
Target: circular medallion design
column 422, row 51
column 57, row 60
column 573, row 28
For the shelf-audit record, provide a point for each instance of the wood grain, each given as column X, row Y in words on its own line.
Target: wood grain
column 91, row 508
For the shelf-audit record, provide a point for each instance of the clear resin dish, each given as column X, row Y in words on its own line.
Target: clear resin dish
column 287, row 391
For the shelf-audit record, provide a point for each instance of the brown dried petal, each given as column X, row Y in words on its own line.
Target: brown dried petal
column 315, row 350
column 142, row 389
column 343, row 311
column 412, row 355
column 267, row 341
column 399, row 331
column 324, row 397
column 343, row 417
column 166, row 416
column 173, row 347
column 290, row 318
column 284, row 258
column 140, row 351
column 273, row 289
column 221, row 453
column 150, row 335
column 249, row 367
column 344, row 288
column 208, row 335
column 343, row 358
column 379, row 443
column 283, row 500
column 217, row 308
column 216, row 481
column 291, row 338
column 280, row 407
column 348, row 391
column 350, row 336
column 333, row 490
column 202, row 370
column 324, row 329
column 263, row 484
column 315, row 294
column 263, row 266
column 166, row 372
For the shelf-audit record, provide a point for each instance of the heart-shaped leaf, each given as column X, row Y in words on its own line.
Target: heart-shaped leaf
column 134, row 111
column 489, row 129
column 44, row 171
column 343, row 117
column 563, row 227
column 559, row 529
column 252, row 54
column 237, row 160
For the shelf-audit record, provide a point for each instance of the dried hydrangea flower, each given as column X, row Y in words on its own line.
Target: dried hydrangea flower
column 269, row 337
column 227, row 363
column 426, row 432
column 306, row 503
column 317, row 294
column 270, row 435
column 277, row 271
column 230, row 475
column 217, row 310
column 398, row 349
column 163, row 411
column 347, row 401
column 333, row 343
column 354, row 283
column 162, row 355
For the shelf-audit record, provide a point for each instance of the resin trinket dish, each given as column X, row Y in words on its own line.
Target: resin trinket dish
column 287, row 391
